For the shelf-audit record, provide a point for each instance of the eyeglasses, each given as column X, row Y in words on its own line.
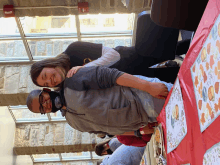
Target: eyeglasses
column 41, row 101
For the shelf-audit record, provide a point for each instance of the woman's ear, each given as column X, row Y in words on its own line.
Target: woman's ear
column 46, row 89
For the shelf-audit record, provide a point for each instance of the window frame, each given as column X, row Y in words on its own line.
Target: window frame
column 78, row 35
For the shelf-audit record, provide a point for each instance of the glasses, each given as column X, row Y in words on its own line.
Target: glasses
column 41, row 101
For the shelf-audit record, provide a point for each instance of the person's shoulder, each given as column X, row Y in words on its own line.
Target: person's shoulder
column 75, row 44
column 85, row 70
column 82, row 43
column 78, row 80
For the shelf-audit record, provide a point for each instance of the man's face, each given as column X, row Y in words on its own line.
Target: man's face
column 45, row 105
column 104, row 153
column 105, row 150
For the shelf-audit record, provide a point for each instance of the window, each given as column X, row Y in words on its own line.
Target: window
column 49, row 36
column 89, row 157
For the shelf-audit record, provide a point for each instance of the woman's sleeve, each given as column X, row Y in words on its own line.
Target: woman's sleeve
column 108, row 58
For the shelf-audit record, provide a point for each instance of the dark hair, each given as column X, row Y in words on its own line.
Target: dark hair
column 102, row 135
column 33, row 94
column 62, row 60
column 99, row 148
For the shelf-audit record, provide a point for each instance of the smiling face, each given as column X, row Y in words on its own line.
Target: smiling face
column 50, row 77
column 46, row 103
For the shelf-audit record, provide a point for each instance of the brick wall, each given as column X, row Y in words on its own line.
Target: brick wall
column 57, row 137
column 15, row 84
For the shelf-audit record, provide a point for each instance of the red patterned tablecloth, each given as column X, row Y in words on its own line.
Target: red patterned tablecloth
column 199, row 79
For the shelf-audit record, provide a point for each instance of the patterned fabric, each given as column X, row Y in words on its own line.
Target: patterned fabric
column 206, row 75
column 175, row 118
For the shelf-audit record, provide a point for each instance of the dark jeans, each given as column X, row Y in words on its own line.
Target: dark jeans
column 134, row 64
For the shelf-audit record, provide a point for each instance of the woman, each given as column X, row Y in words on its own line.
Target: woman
column 52, row 71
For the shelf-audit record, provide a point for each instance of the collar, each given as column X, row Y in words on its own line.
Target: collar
column 61, row 92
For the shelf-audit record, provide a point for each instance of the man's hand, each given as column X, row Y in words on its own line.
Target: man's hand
column 146, row 130
column 158, row 90
column 73, row 71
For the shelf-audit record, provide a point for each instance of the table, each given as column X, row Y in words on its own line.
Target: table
column 199, row 78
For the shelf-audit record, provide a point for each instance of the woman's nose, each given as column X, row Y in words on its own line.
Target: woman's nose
column 48, row 82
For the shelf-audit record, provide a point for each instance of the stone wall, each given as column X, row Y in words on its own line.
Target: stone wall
column 56, row 137
column 53, row 47
column 15, row 84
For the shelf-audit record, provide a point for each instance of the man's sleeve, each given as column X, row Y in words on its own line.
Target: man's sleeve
column 96, row 77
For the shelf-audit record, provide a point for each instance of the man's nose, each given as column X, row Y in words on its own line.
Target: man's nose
column 46, row 103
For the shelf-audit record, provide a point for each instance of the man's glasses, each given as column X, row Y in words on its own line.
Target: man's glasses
column 41, row 101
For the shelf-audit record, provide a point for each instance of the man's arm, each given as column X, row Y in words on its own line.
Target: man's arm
column 95, row 77
column 148, row 129
column 103, row 77
column 158, row 90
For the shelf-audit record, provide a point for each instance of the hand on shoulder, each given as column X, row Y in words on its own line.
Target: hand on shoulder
column 73, row 71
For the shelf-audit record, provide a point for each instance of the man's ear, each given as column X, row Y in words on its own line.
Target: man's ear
column 46, row 89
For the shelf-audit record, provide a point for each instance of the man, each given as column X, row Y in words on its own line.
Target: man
column 104, row 100
column 107, row 147
column 124, row 155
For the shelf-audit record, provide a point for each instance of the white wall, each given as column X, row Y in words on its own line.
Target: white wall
column 7, row 132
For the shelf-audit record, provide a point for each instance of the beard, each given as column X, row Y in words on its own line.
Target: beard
column 56, row 101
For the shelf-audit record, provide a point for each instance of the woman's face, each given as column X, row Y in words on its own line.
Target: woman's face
column 50, row 77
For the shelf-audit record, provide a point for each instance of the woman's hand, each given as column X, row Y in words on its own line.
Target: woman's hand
column 158, row 90
column 73, row 71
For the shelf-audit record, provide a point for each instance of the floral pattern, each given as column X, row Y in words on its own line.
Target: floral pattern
column 175, row 118
column 205, row 74
column 212, row 155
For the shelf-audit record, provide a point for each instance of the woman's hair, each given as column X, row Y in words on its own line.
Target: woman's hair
column 62, row 61
column 99, row 148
